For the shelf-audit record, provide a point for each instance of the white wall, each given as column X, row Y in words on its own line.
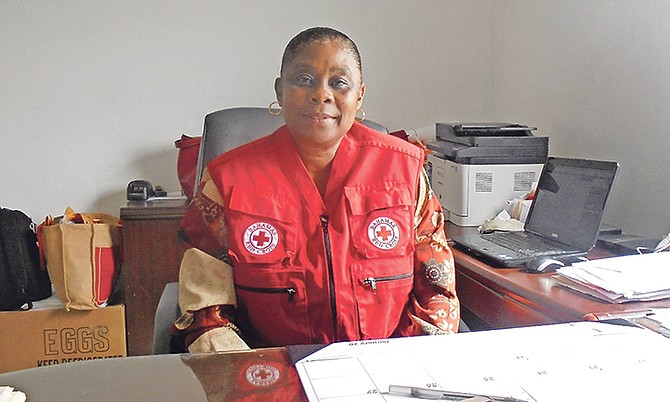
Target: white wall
column 595, row 77
column 94, row 93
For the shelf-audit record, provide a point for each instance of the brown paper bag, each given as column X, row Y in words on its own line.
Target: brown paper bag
column 83, row 257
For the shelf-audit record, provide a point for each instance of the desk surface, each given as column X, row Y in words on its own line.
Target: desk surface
column 257, row 375
column 590, row 361
column 510, row 297
column 155, row 208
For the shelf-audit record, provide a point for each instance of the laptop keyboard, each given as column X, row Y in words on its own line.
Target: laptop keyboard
column 523, row 245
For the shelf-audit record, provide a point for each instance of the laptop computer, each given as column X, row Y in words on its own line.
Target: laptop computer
column 563, row 220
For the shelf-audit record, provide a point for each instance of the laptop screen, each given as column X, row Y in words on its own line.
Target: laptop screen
column 571, row 199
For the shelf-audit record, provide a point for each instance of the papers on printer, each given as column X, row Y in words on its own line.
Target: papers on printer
column 639, row 277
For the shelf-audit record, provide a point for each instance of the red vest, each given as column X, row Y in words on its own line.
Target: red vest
column 317, row 270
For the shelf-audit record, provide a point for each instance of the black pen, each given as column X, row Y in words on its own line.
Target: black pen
column 428, row 393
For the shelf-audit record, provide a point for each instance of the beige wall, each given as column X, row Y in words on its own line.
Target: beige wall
column 595, row 77
column 94, row 93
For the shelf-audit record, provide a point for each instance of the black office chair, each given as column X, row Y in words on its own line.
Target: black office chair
column 229, row 128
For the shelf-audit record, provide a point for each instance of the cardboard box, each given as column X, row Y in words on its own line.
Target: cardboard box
column 47, row 336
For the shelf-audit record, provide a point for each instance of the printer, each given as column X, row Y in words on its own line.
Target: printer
column 475, row 168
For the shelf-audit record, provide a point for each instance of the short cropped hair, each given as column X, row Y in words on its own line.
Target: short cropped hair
column 320, row 34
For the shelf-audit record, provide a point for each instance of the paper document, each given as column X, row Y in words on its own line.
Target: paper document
column 8, row 394
column 638, row 277
column 564, row 362
column 658, row 320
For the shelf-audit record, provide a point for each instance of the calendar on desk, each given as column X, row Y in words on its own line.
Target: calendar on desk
column 574, row 361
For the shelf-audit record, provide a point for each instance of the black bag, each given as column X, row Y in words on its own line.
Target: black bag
column 22, row 281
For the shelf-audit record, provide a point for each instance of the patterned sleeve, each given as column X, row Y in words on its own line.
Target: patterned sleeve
column 203, row 225
column 211, row 307
column 434, row 306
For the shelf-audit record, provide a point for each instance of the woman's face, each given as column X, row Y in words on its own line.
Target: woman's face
column 320, row 91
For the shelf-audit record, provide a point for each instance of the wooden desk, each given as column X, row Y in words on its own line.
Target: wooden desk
column 501, row 297
column 511, row 297
column 152, row 256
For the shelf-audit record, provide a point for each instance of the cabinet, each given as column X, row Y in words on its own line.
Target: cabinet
column 152, row 255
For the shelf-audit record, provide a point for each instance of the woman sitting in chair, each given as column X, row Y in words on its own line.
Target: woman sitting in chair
column 323, row 231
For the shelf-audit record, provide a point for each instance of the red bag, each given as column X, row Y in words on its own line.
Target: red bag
column 187, row 162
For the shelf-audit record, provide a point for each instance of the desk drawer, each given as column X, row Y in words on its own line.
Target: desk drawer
column 497, row 310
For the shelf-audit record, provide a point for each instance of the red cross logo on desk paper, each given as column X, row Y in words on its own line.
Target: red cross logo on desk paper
column 260, row 238
column 383, row 233
column 262, row 375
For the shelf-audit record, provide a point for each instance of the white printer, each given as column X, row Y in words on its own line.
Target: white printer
column 475, row 168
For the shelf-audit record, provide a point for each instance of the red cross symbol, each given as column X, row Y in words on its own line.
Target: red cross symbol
column 263, row 374
column 384, row 233
column 260, row 238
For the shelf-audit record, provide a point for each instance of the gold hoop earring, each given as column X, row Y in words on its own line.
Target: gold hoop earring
column 275, row 111
column 361, row 117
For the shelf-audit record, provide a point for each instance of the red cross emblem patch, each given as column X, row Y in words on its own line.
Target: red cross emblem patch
column 383, row 232
column 260, row 238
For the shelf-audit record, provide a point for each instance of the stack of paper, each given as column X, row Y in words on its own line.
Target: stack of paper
column 637, row 277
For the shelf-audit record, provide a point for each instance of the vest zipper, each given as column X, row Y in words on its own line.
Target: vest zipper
column 290, row 291
column 372, row 281
column 331, row 280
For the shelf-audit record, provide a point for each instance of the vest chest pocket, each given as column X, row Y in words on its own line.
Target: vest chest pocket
column 261, row 227
column 381, row 220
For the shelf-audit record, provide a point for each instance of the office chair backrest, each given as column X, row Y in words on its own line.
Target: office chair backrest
column 229, row 128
